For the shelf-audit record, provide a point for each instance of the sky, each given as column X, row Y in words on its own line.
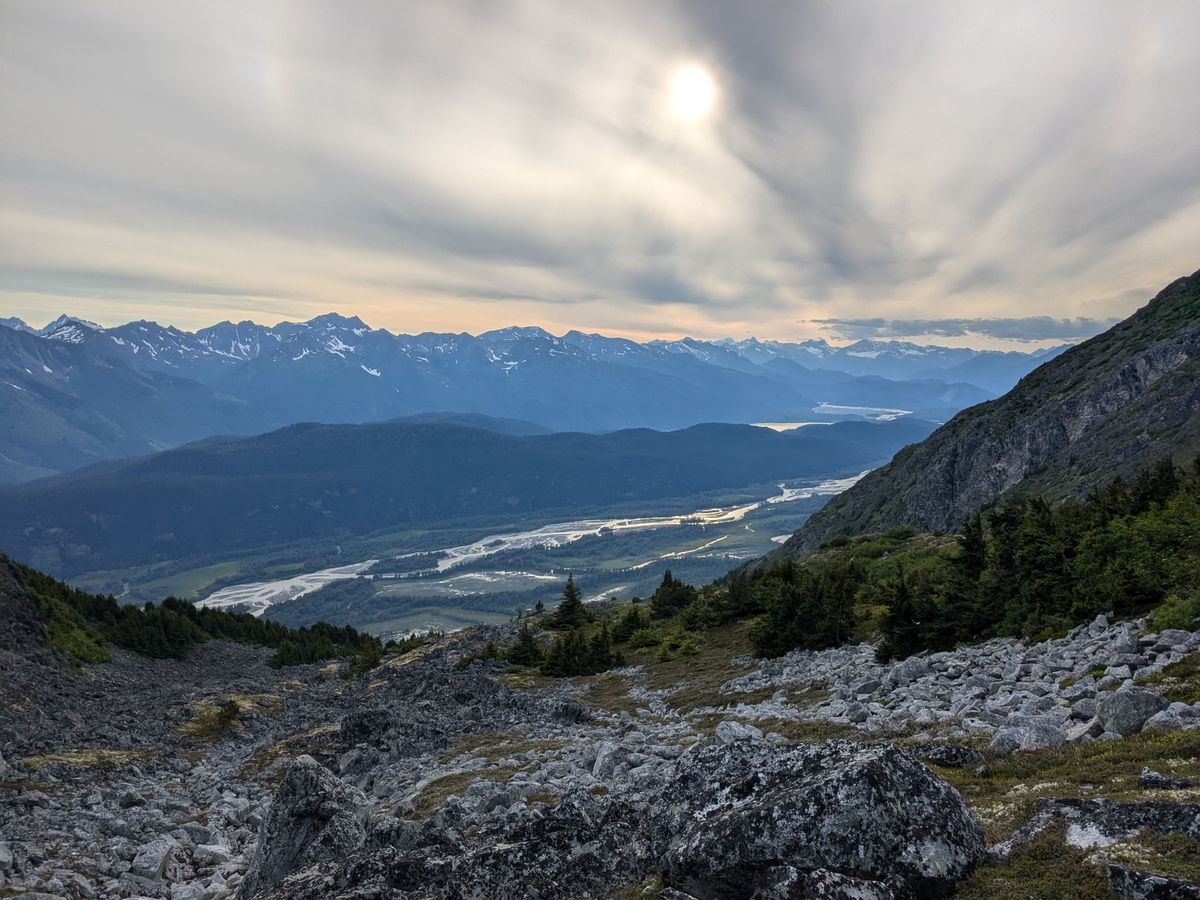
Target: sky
column 993, row 172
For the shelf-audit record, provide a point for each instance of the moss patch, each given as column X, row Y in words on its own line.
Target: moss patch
column 438, row 791
column 89, row 758
column 1044, row 869
column 1005, row 795
column 498, row 746
column 1180, row 681
column 293, row 745
column 213, row 718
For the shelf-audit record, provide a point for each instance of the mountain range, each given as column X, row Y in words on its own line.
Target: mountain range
column 1101, row 410
column 73, row 393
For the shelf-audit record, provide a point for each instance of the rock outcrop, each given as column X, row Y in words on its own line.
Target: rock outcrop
column 733, row 814
column 724, row 820
column 315, row 818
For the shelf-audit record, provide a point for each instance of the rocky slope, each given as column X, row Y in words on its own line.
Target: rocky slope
column 1101, row 409
column 814, row 775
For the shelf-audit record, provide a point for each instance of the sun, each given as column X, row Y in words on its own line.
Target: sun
column 693, row 92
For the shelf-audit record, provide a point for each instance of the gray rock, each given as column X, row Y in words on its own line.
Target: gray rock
column 1084, row 708
column 1172, row 639
column 158, row 859
column 949, row 756
column 570, row 710
column 823, row 883
column 1128, row 884
column 608, row 757
column 1097, row 822
column 1039, row 737
column 908, row 671
column 1085, row 731
column 874, row 812
column 211, row 854
column 132, row 798
column 1125, row 712
column 1007, row 739
column 1163, row 721
column 729, row 732
column 1152, row 780
column 315, row 817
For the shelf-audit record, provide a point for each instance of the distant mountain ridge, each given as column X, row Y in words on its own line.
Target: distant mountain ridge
column 1100, row 410
column 308, row 482
column 80, row 393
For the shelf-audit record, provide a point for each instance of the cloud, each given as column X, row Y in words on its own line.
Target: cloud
column 1027, row 329
column 465, row 165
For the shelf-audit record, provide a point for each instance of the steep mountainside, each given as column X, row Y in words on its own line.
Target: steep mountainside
column 65, row 404
column 325, row 481
column 1101, row 409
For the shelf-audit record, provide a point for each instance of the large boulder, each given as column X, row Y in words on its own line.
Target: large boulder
column 1125, row 712
column 735, row 812
column 315, row 817
column 741, row 820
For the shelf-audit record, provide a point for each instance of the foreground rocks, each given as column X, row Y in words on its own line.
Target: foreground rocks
column 424, row 779
column 722, row 820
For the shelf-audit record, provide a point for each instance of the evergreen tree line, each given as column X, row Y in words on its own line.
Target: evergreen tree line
column 1032, row 569
column 76, row 619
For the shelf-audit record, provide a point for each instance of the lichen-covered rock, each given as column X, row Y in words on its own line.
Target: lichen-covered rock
column 745, row 819
column 1151, row 780
column 1129, row 884
column 366, row 726
column 570, row 711
column 1125, row 712
column 787, row 883
column 315, row 817
column 733, row 812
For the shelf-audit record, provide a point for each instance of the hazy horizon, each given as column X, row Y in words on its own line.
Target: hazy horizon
column 969, row 341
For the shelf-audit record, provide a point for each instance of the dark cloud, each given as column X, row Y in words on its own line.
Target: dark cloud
column 1030, row 328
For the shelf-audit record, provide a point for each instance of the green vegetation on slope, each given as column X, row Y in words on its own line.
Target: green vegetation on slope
column 1027, row 569
column 82, row 625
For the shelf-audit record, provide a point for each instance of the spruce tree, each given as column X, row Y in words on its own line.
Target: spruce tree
column 526, row 651
column 571, row 612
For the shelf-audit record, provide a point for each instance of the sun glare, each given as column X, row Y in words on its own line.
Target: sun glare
column 693, row 92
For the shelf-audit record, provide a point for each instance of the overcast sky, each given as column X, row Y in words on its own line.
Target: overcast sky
column 867, row 168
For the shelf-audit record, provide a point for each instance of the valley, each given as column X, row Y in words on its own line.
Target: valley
column 505, row 572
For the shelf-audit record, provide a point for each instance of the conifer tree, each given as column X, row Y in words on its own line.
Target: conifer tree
column 526, row 651
column 571, row 612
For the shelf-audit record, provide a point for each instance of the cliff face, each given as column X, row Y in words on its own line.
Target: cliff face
column 1102, row 409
